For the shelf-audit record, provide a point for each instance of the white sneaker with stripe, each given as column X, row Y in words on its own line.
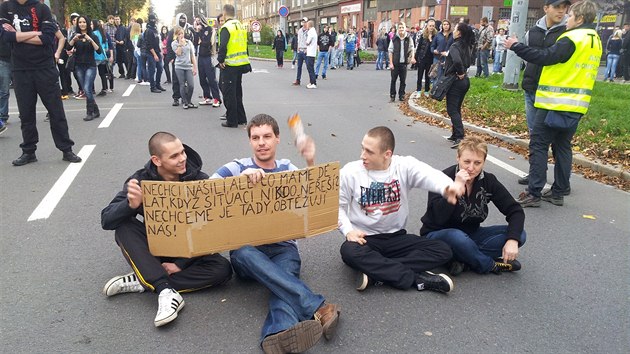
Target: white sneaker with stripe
column 169, row 304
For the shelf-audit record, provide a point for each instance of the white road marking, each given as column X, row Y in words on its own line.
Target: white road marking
column 50, row 201
column 510, row 168
column 110, row 116
column 129, row 90
column 263, row 71
column 505, row 166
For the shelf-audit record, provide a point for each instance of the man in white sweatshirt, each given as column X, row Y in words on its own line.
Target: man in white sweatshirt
column 373, row 211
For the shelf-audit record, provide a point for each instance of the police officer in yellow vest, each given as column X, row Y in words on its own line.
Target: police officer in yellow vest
column 563, row 96
column 233, row 62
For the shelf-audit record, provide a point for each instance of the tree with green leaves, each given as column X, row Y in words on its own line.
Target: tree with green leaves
column 186, row 6
column 98, row 9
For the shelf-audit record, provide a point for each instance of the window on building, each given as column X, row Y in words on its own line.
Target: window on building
column 505, row 13
column 431, row 11
column 372, row 4
column 531, row 22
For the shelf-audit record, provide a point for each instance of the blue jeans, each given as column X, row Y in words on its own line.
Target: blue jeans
column 380, row 60
column 540, row 138
column 277, row 267
column 322, row 56
column 350, row 59
column 141, row 67
column 5, row 92
column 611, row 66
column 86, row 75
column 530, row 110
column 479, row 249
column 482, row 62
column 301, row 58
column 154, row 69
column 497, row 67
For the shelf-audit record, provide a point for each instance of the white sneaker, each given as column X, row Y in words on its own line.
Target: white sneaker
column 292, row 66
column 311, row 86
column 121, row 284
column 144, row 83
column 216, row 103
column 205, row 102
column 169, row 304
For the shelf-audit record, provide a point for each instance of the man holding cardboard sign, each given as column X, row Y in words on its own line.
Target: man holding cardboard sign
column 170, row 161
column 373, row 211
column 297, row 317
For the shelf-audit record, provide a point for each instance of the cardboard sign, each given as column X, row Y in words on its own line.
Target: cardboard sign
column 189, row 219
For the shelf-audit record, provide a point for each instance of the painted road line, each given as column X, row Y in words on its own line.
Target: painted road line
column 129, row 90
column 510, row 168
column 110, row 116
column 50, row 201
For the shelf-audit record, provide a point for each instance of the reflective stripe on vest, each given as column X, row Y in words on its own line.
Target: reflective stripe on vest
column 567, row 87
column 236, row 54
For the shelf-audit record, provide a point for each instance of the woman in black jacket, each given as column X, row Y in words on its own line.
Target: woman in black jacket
column 86, row 44
column 457, row 63
column 280, row 45
column 424, row 56
column 483, row 249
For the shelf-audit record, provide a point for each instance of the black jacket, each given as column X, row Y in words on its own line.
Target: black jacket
column 423, row 49
column 539, row 38
column 151, row 41
column 471, row 210
column 118, row 210
column 32, row 16
column 324, row 42
column 458, row 59
column 205, row 41
column 84, row 53
column 279, row 44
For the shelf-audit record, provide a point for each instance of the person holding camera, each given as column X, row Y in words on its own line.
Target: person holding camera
column 86, row 44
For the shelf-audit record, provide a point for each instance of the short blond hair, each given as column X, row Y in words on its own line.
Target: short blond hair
column 474, row 144
column 586, row 9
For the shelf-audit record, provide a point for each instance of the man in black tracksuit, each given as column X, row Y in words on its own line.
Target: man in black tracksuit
column 170, row 161
column 207, row 71
column 35, row 72
column 121, row 49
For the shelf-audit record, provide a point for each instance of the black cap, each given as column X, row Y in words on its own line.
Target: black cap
column 557, row 2
column 152, row 17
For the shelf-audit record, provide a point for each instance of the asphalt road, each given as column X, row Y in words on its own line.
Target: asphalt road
column 571, row 296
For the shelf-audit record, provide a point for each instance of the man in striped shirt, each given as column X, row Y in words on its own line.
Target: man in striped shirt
column 297, row 317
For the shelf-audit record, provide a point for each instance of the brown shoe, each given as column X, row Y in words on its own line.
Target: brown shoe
column 296, row 339
column 328, row 316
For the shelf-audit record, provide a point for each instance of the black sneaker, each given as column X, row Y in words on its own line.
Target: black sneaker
column 451, row 138
column 527, row 200
column 548, row 196
column 500, row 266
column 71, row 157
column 363, row 281
column 392, row 99
column 436, row 282
column 564, row 193
column 24, row 159
column 456, row 268
column 524, row 180
column 175, row 103
column 455, row 144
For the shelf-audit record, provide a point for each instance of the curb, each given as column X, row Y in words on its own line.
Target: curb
column 578, row 159
column 268, row 59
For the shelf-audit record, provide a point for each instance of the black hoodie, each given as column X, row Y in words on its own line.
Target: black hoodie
column 118, row 210
column 32, row 16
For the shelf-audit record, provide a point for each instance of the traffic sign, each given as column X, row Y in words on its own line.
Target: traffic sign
column 283, row 11
column 256, row 26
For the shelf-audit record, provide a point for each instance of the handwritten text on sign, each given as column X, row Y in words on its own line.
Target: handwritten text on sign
column 185, row 219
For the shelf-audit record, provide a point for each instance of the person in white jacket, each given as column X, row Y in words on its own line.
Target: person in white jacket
column 373, row 211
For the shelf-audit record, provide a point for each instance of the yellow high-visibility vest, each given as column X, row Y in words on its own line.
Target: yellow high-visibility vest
column 567, row 87
column 237, row 45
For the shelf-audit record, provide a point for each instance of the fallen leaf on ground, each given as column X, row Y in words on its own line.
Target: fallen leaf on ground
column 511, row 157
column 427, row 333
column 413, row 141
column 331, row 134
column 592, row 217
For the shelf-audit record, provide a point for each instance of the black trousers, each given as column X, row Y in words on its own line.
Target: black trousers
column 197, row 273
column 45, row 83
column 232, row 89
column 174, row 80
column 105, row 76
column 454, row 100
column 399, row 72
column 129, row 63
column 121, row 58
column 280, row 57
column 424, row 66
column 625, row 66
column 395, row 258
column 64, row 77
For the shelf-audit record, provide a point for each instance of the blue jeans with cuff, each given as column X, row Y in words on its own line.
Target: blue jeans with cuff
column 277, row 267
